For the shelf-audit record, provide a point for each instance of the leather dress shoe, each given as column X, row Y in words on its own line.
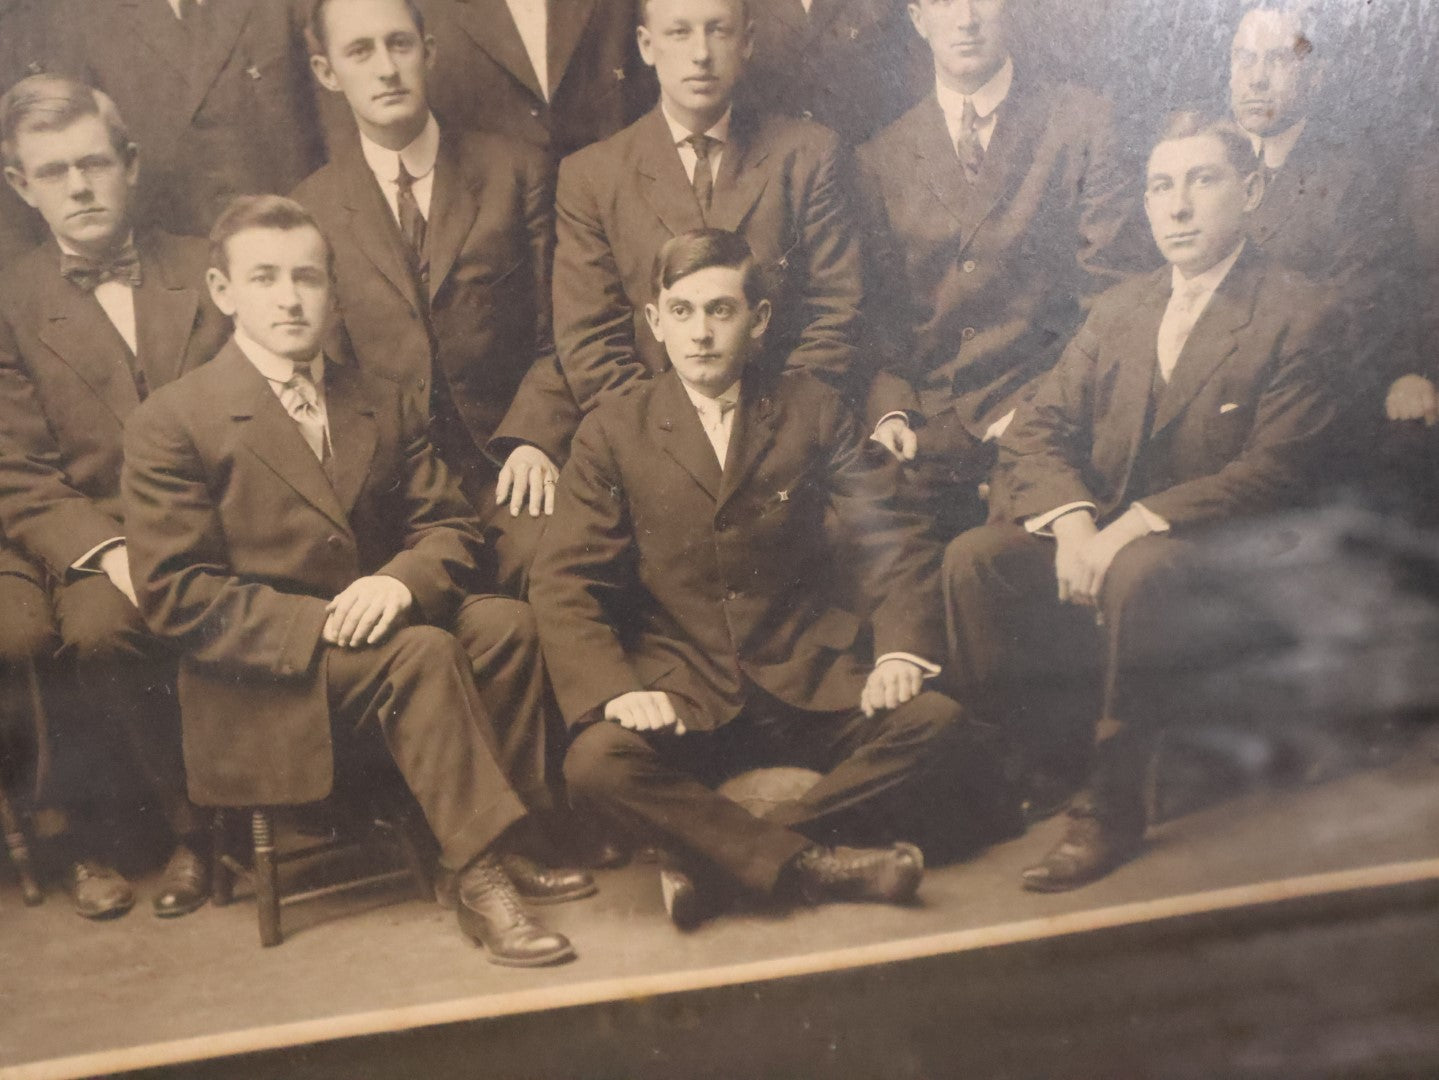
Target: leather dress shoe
column 98, row 891
column 536, row 884
column 1089, row 850
column 185, row 884
column 683, row 902
column 876, row 875
column 491, row 914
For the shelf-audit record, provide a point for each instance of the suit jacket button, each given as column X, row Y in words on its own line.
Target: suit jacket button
column 731, row 594
column 807, row 114
column 534, row 110
column 333, row 540
column 967, row 333
column 969, row 265
column 420, row 383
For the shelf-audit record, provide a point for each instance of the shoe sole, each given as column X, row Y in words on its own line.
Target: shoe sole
column 105, row 914
column 562, row 898
column 180, row 912
column 560, row 956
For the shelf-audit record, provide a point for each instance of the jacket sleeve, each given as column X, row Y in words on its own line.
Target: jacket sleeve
column 583, row 573
column 439, row 562
column 594, row 323
column 898, row 564
column 39, row 509
column 544, row 412
column 1042, row 454
column 832, row 293
column 180, row 565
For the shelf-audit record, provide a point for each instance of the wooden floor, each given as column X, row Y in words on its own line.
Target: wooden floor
column 79, row 999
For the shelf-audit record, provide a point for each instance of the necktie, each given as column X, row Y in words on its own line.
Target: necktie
column 968, row 145
column 302, row 402
column 704, row 181
column 1179, row 319
column 712, row 419
column 89, row 274
column 412, row 222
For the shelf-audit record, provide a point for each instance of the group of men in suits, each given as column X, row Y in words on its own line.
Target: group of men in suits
column 714, row 397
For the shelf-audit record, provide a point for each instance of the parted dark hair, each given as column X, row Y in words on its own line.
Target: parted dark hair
column 246, row 212
column 699, row 249
column 317, row 34
column 1190, row 123
column 53, row 103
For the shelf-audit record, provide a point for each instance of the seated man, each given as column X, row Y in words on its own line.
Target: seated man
column 293, row 533
column 1190, row 397
column 91, row 322
column 685, row 596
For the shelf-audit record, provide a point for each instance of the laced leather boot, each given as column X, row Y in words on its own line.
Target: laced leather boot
column 870, row 875
column 491, row 914
column 536, row 884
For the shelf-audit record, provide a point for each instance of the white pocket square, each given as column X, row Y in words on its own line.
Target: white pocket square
column 1228, row 406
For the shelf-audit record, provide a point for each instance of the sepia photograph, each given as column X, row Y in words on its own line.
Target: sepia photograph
column 628, row 539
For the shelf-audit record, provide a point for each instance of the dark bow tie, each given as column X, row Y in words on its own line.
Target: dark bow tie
column 88, row 274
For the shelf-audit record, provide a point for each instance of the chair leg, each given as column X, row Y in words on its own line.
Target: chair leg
column 222, row 879
column 19, row 850
column 267, row 883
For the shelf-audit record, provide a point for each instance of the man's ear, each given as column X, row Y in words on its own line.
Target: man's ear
column 642, row 39
column 430, row 52
column 1253, row 190
column 652, row 316
column 762, row 312
column 324, row 73
column 219, row 285
column 132, row 164
column 915, row 19
column 16, row 179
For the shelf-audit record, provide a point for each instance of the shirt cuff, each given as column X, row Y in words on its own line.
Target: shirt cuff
column 89, row 563
column 1154, row 521
column 930, row 669
column 1040, row 524
column 999, row 427
column 889, row 416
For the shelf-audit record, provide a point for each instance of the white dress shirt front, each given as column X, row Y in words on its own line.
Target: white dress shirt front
column 532, row 21
column 278, row 370
column 987, row 100
column 680, row 133
column 117, row 301
column 419, row 158
column 1274, row 150
column 716, row 416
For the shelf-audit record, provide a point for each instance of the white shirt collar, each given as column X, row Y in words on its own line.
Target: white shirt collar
column 679, row 133
column 68, row 250
column 703, row 403
column 273, row 366
column 987, row 98
column 419, row 157
column 1203, row 285
column 1274, row 150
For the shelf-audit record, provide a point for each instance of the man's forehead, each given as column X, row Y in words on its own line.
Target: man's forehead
column 711, row 283
column 85, row 134
column 1265, row 29
column 265, row 246
column 355, row 20
column 690, row 11
column 1174, row 157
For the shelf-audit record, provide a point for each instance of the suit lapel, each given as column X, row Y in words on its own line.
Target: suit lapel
column 373, row 226
column 77, row 331
column 491, row 26
column 165, row 311
column 1136, row 353
column 567, row 19
column 939, row 168
column 272, row 436
column 223, row 22
column 352, row 433
column 678, row 430
column 755, row 426
column 454, row 204
column 661, row 177
column 1211, row 342
column 1019, row 123
column 153, row 22
column 741, row 180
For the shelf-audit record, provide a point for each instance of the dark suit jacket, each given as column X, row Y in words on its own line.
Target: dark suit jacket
column 659, row 572
column 976, row 287
column 235, row 116
column 483, row 78
column 485, row 318
column 66, row 389
column 238, row 539
column 1244, row 412
column 781, row 184
column 852, row 65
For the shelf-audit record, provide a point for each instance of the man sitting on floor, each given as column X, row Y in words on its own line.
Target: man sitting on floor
column 688, row 606
column 294, row 534
column 1191, row 397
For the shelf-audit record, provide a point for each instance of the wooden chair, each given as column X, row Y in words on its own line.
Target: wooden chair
column 388, row 828
column 19, row 849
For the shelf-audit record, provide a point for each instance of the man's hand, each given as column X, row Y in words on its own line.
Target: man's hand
column 366, row 612
column 115, row 565
column 890, row 685
column 645, row 710
column 1083, row 555
column 530, row 475
column 1413, row 397
column 896, row 436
